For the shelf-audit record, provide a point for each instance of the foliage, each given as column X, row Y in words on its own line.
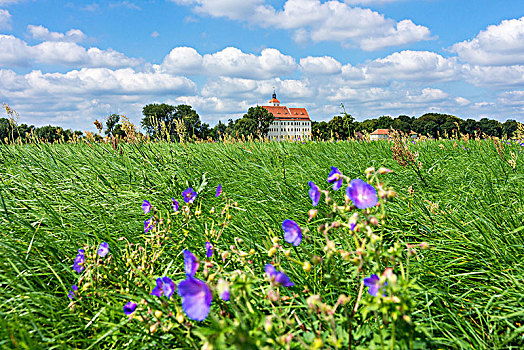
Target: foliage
column 255, row 122
column 465, row 291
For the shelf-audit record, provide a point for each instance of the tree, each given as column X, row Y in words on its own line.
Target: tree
column 156, row 116
column 320, row 130
column 509, row 127
column 160, row 118
column 255, row 122
column 111, row 124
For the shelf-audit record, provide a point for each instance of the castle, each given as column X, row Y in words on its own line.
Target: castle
column 290, row 123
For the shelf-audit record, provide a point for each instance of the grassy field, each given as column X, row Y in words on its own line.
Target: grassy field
column 55, row 199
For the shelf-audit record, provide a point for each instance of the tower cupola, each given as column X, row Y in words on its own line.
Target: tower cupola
column 274, row 101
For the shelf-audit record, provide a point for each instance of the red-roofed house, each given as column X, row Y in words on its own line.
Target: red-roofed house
column 379, row 134
column 289, row 123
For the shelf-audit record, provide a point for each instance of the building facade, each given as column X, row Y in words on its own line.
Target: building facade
column 290, row 123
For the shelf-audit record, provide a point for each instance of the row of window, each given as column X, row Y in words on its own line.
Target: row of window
column 288, row 129
column 293, row 123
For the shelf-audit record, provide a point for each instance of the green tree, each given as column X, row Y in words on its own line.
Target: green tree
column 255, row 122
column 509, row 127
column 156, row 115
column 112, row 126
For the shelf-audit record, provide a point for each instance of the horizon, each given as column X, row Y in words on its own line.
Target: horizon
column 88, row 59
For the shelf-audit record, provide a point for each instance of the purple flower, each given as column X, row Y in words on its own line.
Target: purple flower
column 278, row 277
column 164, row 286
column 190, row 263
column 314, row 193
column 148, row 224
column 103, row 249
column 189, row 195
column 292, row 232
column 146, row 206
column 209, row 250
column 219, row 190
column 196, row 298
column 175, row 204
column 80, row 259
column 362, row 194
column 223, row 289
column 373, row 286
column 129, row 308
column 71, row 294
column 335, row 178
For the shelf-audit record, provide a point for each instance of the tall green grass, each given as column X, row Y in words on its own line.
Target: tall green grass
column 55, row 198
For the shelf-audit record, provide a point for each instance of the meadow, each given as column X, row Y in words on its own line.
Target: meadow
column 446, row 245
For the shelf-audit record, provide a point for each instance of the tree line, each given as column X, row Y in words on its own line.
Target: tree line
column 182, row 122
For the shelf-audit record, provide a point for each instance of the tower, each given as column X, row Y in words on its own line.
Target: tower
column 274, row 101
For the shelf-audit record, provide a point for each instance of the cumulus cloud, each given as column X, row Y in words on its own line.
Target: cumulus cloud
column 501, row 44
column 320, row 65
column 16, row 52
column 230, row 62
column 319, row 21
column 43, row 34
column 422, row 66
column 5, row 19
column 495, row 77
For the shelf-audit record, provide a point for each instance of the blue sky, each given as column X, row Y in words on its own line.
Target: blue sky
column 69, row 63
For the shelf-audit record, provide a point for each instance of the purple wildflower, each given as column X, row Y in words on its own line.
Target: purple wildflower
column 74, row 287
column 129, row 308
column 164, row 286
column 277, row 277
column 190, row 263
column 335, row 178
column 219, row 190
column 189, row 195
column 148, row 224
column 103, row 249
column 362, row 194
column 175, row 204
column 209, row 250
column 71, row 295
column 146, row 206
column 196, row 298
column 80, row 259
column 373, row 286
column 292, row 232
column 314, row 193
column 223, row 289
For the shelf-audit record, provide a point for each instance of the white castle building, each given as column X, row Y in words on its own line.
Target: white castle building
column 290, row 123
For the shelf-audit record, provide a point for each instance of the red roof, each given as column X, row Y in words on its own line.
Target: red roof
column 282, row 112
column 380, row 132
column 274, row 100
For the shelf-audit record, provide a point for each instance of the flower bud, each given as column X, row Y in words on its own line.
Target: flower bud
column 158, row 314
column 225, row 255
column 312, row 213
column 275, row 240
column 335, row 224
column 383, row 170
column 342, row 299
column 212, row 211
column 251, row 251
column 139, row 318
column 369, row 170
column 287, row 252
column 152, row 328
column 180, row 318
column 424, row 245
column 315, row 259
column 306, row 266
column 345, row 255
column 272, row 251
column 373, row 221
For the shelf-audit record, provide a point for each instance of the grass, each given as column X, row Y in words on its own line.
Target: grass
column 55, row 198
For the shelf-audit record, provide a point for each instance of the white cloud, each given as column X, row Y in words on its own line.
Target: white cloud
column 422, row 66
column 320, row 65
column 43, row 34
column 232, row 9
column 16, row 52
column 230, row 62
column 369, row 2
column 7, row 2
column 319, row 21
column 501, row 44
column 495, row 77
column 462, row 101
column 5, row 19
column 155, row 34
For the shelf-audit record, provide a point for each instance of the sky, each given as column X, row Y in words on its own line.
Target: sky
column 68, row 63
